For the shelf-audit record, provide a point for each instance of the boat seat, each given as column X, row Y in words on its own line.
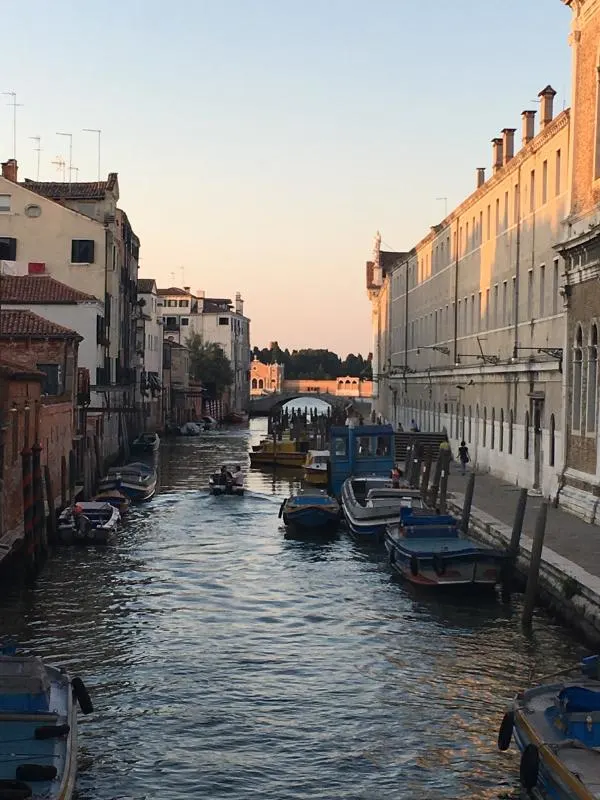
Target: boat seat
column 578, row 699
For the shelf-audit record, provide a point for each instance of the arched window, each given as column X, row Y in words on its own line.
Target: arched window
column 470, row 429
column 484, row 425
column 493, row 436
column 592, row 379
column 501, row 431
column 526, row 436
column 254, row 383
column 261, row 384
column 340, row 384
column 510, row 431
column 577, row 359
column 462, row 424
column 552, row 437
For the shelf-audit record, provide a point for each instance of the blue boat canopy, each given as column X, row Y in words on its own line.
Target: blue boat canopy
column 361, row 450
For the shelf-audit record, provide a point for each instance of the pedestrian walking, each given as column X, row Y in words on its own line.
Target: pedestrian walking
column 463, row 456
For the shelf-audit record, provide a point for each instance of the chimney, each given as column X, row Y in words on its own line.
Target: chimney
column 528, row 118
column 186, row 289
column 200, row 294
column 9, row 170
column 508, row 144
column 497, row 154
column 480, row 176
column 547, row 96
column 239, row 304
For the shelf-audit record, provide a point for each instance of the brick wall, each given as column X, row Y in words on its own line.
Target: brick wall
column 586, row 192
column 19, row 429
column 29, row 353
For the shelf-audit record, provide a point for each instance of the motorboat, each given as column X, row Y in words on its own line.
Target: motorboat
column 191, row 429
column 146, row 443
column 311, row 512
column 371, row 503
column 315, row 467
column 38, row 710
column 556, row 727
column 116, row 498
column 279, row 452
column 428, row 549
column 136, row 480
column 90, row 522
column 218, row 488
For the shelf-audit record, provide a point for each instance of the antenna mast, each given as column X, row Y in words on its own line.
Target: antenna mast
column 37, row 150
column 14, row 105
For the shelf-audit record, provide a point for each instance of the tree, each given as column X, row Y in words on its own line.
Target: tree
column 209, row 364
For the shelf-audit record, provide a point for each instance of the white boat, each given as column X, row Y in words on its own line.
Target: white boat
column 315, row 467
column 38, row 709
column 371, row 503
column 90, row 522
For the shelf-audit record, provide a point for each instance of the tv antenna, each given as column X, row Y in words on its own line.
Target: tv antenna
column 14, row 105
column 38, row 150
column 60, row 166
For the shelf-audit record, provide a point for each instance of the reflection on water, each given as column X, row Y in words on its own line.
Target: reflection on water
column 228, row 662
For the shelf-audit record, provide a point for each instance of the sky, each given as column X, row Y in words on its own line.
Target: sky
column 260, row 144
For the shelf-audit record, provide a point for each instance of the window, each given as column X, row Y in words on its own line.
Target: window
column 484, row 426
column 480, row 227
column 184, row 303
column 254, row 383
column 261, row 383
column 529, row 294
column 532, row 191
column 478, row 321
column 592, row 378
column 552, row 436
column 510, row 431
column 501, row 431
column 51, row 384
column 171, row 303
column 505, row 210
column 495, row 309
column 557, row 176
column 514, row 299
column 577, row 366
column 364, row 446
column 339, row 446
column 489, row 222
column 4, row 203
column 82, row 251
column 526, row 436
column 466, row 237
column 544, row 182
column 223, row 320
column 171, row 322
column 516, row 204
column 8, row 248
column 497, row 216
column 99, row 329
column 505, row 302
column 185, row 321
column 472, row 324
column 542, row 289
column 470, row 427
column 493, row 437
column 487, row 308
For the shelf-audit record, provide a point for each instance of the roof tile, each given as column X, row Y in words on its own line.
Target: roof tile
column 39, row 289
column 25, row 323
column 145, row 285
column 94, row 190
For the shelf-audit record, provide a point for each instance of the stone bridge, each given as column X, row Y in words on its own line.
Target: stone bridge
column 263, row 406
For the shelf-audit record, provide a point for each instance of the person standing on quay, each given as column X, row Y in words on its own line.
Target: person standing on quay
column 463, row 456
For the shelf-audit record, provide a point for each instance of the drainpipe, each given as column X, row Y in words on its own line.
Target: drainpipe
column 457, row 248
column 517, row 269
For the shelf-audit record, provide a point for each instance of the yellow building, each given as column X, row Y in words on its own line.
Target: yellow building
column 265, row 378
column 469, row 324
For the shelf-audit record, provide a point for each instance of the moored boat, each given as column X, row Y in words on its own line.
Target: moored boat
column 116, row 498
column 146, row 443
column 88, row 523
column 315, row 467
column 38, row 710
column 136, row 480
column 428, row 549
column 371, row 503
column 556, row 727
column 311, row 512
column 280, row 453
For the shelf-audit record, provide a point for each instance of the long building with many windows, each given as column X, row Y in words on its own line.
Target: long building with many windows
column 488, row 327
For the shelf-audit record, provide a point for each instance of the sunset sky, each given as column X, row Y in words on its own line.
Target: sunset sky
column 261, row 143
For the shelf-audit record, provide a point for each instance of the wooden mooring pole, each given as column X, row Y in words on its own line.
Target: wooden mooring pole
column 468, row 502
column 425, row 473
column 534, row 564
column 51, row 522
column 445, row 458
column 415, row 465
column 512, row 553
column 436, row 482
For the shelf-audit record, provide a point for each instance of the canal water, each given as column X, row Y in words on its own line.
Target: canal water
column 225, row 661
